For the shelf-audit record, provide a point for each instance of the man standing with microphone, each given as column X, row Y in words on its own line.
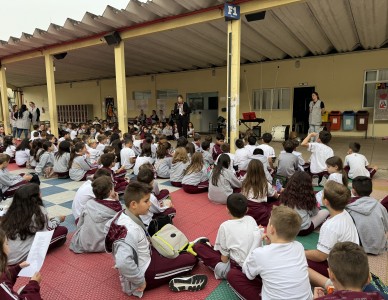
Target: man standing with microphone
column 182, row 111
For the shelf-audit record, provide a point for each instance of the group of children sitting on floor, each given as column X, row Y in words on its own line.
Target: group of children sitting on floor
column 256, row 261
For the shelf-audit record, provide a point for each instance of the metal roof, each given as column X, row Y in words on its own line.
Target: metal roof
column 306, row 28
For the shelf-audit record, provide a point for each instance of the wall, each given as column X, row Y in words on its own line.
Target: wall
column 337, row 78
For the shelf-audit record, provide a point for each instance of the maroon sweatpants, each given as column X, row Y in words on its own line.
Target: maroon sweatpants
column 161, row 269
column 371, row 171
column 13, row 188
column 243, row 287
column 320, row 267
column 307, row 231
column 207, row 254
column 63, row 175
column 163, row 194
column 176, row 184
column 384, row 202
column 59, row 237
column 89, row 172
column 196, row 189
column 120, row 186
column 261, row 212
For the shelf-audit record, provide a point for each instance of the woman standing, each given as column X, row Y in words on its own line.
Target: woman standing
column 182, row 112
column 12, row 118
column 316, row 109
column 23, row 121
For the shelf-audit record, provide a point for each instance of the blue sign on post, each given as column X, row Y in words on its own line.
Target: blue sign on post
column 231, row 12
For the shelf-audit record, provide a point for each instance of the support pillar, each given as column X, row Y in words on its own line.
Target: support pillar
column 51, row 93
column 121, row 87
column 4, row 101
column 233, row 81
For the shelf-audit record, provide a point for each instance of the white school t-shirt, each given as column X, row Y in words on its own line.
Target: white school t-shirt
column 241, row 159
column 125, row 155
column 271, row 192
column 83, row 195
column 357, row 165
column 337, row 177
column 268, row 150
column 339, row 228
column 236, row 238
column 319, row 154
column 283, row 270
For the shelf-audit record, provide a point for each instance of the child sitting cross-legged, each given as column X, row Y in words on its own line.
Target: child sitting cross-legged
column 138, row 264
column 338, row 228
column 9, row 274
column 161, row 211
column 357, row 164
column 370, row 217
column 299, row 195
column 195, row 179
column 108, row 160
column 349, row 274
column 236, row 238
column 279, row 269
column 89, row 236
column 180, row 161
column 159, row 194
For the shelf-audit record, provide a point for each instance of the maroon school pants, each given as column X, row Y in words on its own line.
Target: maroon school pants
column 320, row 267
column 243, row 287
column 13, row 188
column 163, row 194
column 196, row 189
column 207, row 254
column 261, row 212
column 384, row 202
column 59, row 237
column 176, row 183
column 89, row 172
column 161, row 269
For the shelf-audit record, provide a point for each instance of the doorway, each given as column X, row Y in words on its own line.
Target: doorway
column 204, row 111
column 300, row 113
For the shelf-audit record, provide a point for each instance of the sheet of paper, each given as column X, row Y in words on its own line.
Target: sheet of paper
column 37, row 253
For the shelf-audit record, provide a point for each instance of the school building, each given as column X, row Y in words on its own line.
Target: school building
column 280, row 51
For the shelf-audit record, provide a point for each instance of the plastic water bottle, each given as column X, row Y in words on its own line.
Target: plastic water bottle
column 278, row 185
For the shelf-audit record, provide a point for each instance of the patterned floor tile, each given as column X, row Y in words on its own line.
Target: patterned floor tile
column 47, row 204
column 51, row 190
column 58, row 210
column 55, row 181
column 72, row 185
column 44, row 185
column 70, row 223
column 67, row 204
column 60, row 197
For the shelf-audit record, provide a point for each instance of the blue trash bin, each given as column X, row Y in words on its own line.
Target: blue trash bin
column 348, row 120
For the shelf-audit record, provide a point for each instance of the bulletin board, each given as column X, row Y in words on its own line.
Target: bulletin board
column 381, row 102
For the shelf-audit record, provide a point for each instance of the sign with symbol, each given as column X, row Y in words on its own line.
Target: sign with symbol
column 231, row 12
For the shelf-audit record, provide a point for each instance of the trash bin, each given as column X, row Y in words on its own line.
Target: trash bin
column 348, row 120
column 362, row 120
column 335, row 120
column 325, row 117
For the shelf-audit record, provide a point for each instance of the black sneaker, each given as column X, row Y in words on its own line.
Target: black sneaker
column 190, row 283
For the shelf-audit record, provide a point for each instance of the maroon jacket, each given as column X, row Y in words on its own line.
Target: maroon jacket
column 30, row 292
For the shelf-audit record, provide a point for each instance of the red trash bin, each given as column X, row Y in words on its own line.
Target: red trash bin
column 335, row 120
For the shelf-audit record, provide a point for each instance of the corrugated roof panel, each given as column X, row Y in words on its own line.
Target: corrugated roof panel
column 301, row 22
column 138, row 13
column 371, row 20
column 95, row 25
column 75, row 27
column 276, row 32
column 117, row 16
column 335, row 19
column 62, row 35
column 172, row 7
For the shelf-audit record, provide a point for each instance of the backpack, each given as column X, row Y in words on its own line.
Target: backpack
column 169, row 241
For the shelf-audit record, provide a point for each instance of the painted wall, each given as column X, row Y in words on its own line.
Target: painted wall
column 337, row 78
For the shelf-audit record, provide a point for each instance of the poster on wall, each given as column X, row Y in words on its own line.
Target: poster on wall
column 109, row 108
column 381, row 102
column 161, row 104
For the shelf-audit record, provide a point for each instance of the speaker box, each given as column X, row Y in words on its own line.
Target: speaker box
column 112, row 38
column 255, row 16
column 60, row 55
column 256, row 131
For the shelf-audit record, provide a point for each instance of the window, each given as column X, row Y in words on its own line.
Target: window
column 166, row 94
column 141, row 95
column 267, row 99
column 370, row 79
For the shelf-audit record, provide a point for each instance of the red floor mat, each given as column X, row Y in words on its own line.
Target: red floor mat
column 91, row 276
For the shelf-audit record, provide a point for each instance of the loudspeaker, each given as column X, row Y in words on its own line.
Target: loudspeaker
column 256, row 131
column 112, row 38
column 60, row 55
column 223, row 109
column 256, row 16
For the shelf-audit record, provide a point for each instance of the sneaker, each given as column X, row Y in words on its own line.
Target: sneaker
column 323, row 181
column 201, row 239
column 315, row 180
column 190, row 283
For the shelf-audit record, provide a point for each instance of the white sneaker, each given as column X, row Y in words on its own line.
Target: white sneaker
column 190, row 283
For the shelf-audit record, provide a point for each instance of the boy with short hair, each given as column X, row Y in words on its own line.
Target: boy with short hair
column 101, row 138
column 138, row 264
column 357, row 163
column 320, row 152
column 268, row 150
column 93, row 152
column 159, row 208
column 241, row 156
column 349, row 273
column 217, row 147
column 251, row 146
column 207, row 157
column 197, row 142
column 288, row 162
column 209, row 139
column 370, row 217
column 108, row 161
column 281, row 264
column 236, row 238
column 89, row 236
column 338, row 228
column 127, row 155
column 35, row 130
